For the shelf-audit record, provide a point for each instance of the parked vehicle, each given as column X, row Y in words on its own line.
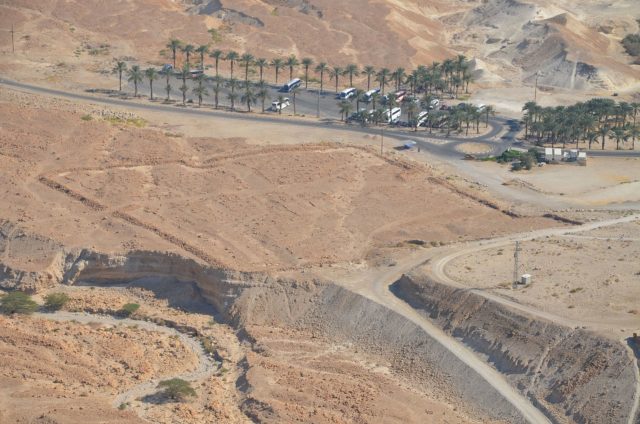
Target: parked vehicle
column 400, row 95
column 167, row 67
column 422, row 118
column 346, row 94
column 434, row 104
column 291, row 85
column 369, row 94
column 276, row 105
column 196, row 72
column 393, row 116
column 481, row 107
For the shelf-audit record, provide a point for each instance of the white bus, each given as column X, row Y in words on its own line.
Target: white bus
column 422, row 118
column 294, row 83
column 347, row 94
column 393, row 116
column 369, row 94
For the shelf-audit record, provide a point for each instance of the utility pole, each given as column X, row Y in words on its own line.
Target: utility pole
column 516, row 264
column 535, row 90
column 318, row 109
column 381, row 139
column 13, row 46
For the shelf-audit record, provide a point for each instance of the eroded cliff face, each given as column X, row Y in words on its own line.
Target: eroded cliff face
column 573, row 374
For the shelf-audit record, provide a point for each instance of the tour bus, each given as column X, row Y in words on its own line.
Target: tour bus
column 369, row 94
column 346, row 94
column 400, row 95
column 422, row 118
column 294, row 83
column 393, row 116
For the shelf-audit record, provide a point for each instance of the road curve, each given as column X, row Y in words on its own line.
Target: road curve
column 205, row 368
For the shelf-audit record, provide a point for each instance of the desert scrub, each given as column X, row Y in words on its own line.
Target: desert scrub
column 55, row 301
column 129, row 309
column 17, row 303
column 176, row 389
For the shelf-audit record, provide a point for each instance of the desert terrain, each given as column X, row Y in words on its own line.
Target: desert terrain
column 284, row 268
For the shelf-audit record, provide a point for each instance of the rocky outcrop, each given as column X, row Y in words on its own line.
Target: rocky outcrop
column 573, row 374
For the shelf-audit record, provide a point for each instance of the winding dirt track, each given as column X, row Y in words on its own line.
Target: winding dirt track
column 205, row 368
column 375, row 286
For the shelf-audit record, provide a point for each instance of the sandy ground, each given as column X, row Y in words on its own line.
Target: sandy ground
column 123, row 188
column 595, row 271
column 72, row 44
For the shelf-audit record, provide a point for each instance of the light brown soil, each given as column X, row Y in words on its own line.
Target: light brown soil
column 595, row 271
column 121, row 188
column 66, row 372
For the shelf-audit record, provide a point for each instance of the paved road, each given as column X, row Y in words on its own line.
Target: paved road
column 444, row 147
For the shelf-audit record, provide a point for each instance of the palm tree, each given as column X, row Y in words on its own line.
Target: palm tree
column 187, row 50
column 185, row 72
column 200, row 91
column 398, row 75
column 295, row 91
column 321, row 68
column 412, row 110
column 247, row 60
column 351, row 70
column 345, row 108
column 334, row 73
column 368, row 71
column 277, row 64
column 135, row 76
column 166, row 72
column 216, row 55
column 634, row 132
column 488, row 111
column 262, row 93
column 306, row 62
column 261, row 63
column 173, row 45
column 280, row 101
column 217, row 82
column 375, row 98
column 291, row 62
column 120, row 68
column 249, row 97
column 151, row 75
column 232, row 98
column 620, row 134
column 359, row 98
column 231, row 57
column 232, row 84
column 184, row 90
column 382, row 76
column 603, row 131
column 202, row 49
column 432, row 118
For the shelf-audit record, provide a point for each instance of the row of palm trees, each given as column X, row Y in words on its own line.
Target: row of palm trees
column 450, row 76
column 460, row 118
column 594, row 121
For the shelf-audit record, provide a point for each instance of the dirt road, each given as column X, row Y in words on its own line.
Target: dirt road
column 205, row 367
column 374, row 284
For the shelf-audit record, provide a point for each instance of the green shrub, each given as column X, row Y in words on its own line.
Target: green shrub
column 86, row 117
column 17, row 303
column 631, row 44
column 176, row 389
column 129, row 309
column 55, row 301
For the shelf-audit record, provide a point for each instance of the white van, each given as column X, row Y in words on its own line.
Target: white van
column 276, row 105
column 393, row 116
column 346, row 94
column 294, row 83
column 369, row 94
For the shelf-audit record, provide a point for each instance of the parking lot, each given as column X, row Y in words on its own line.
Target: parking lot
column 309, row 102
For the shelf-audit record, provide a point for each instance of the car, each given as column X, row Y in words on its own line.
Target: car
column 167, row 67
column 276, row 105
column 400, row 94
column 434, row 103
